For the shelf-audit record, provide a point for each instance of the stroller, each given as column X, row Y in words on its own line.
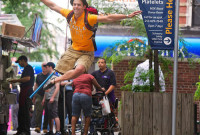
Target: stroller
column 106, row 124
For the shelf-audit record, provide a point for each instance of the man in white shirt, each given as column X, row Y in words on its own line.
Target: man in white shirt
column 141, row 78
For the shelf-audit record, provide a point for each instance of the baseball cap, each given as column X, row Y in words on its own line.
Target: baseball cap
column 51, row 64
column 21, row 58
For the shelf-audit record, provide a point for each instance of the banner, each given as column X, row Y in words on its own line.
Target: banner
column 159, row 21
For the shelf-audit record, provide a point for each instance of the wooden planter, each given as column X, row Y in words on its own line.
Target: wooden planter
column 151, row 113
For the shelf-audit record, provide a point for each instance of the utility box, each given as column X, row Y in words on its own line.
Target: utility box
column 12, row 30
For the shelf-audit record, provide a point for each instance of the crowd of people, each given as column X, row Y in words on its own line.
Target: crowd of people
column 48, row 102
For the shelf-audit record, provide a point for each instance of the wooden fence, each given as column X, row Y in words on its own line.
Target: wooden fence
column 151, row 114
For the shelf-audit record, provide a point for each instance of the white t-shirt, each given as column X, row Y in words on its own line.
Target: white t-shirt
column 144, row 68
column 49, row 93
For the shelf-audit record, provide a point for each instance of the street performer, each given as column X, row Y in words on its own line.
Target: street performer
column 82, row 51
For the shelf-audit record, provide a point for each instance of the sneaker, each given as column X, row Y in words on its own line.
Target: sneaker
column 49, row 133
column 31, row 129
column 37, row 129
column 58, row 133
column 45, row 130
column 21, row 133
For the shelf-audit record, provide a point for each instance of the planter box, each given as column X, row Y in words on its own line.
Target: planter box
column 12, row 30
column 150, row 113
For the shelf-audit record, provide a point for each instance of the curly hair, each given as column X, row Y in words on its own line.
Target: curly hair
column 83, row 1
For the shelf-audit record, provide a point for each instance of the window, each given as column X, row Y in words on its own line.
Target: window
column 195, row 13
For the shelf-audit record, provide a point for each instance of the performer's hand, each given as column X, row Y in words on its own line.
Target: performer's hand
column 103, row 89
column 134, row 14
column 53, row 80
column 49, row 84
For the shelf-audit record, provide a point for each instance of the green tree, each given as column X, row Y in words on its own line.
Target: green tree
column 25, row 11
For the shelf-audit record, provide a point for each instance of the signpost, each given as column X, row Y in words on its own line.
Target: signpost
column 175, row 69
column 161, row 21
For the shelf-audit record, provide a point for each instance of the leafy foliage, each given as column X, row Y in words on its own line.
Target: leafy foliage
column 25, row 11
column 144, row 76
column 123, row 49
column 137, row 48
column 119, row 52
column 197, row 92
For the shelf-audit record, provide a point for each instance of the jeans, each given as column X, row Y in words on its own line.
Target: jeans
column 39, row 111
column 24, row 107
column 15, row 108
column 81, row 101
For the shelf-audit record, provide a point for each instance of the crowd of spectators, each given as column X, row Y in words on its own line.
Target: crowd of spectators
column 58, row 101
column 72, row 96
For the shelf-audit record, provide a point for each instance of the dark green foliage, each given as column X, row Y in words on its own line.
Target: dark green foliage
column 197, row 92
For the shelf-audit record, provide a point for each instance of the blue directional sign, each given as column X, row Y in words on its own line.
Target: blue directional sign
column 159, row 21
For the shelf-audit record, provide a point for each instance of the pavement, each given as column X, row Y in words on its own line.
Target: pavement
column 34, row 133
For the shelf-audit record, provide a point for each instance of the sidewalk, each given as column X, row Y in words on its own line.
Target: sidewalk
column 34, row 133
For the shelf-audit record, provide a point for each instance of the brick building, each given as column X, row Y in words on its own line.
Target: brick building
column 186, row 82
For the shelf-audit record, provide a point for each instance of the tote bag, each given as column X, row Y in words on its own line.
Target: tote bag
column 105, row 105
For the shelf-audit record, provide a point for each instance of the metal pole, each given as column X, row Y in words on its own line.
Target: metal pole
column 175, row 67
column 156, row 71
column 65, row 128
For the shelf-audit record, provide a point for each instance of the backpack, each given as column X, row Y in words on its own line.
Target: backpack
column 90, row 10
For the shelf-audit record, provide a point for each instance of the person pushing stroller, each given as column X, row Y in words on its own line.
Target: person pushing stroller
column 82, row 99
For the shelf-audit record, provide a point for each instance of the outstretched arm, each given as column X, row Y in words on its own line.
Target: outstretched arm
column 111, row 88
column 116, row 17
column 97, row 86
column 21, row 80
column 51, row 5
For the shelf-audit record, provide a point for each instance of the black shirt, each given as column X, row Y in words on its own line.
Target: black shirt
column 39, row 80
column 105, row 79
column 28, row 71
